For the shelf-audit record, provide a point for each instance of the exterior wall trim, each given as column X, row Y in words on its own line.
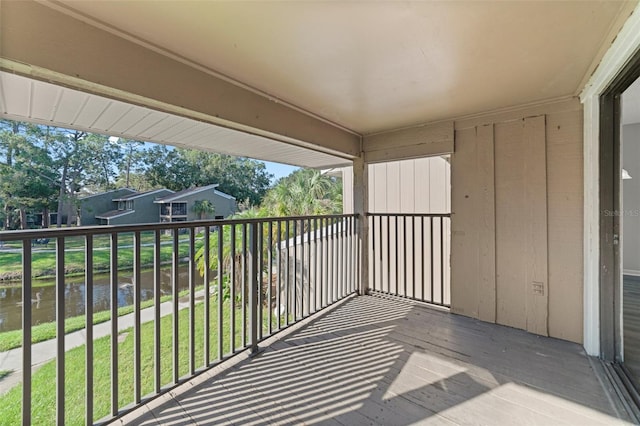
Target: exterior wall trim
column 621, row 51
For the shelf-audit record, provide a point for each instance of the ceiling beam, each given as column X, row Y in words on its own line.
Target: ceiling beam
column 44, row 43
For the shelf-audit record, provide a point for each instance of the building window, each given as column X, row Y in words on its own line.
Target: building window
column 121, row 205
column 165, row 210
column 130, row 205
column 179, row 209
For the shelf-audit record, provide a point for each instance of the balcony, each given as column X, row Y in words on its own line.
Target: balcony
column 274, row 331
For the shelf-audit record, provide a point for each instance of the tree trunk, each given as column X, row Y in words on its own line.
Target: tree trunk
column 61, row 196
column 45, row 217
column 23, row 218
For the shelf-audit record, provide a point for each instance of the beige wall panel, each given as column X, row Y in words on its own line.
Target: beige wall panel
column 486, row 223
column 379, row 187
column 423, row 185
column 565, row 221
column 437, row 178
column 464, row 230
column 393, row 189
column 511, row 250
column 537, row 282
column 414, row 142
column 408, row 187
column 347, row 182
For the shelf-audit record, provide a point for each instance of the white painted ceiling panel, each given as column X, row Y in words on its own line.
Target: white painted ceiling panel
column 128, row 120
column 69, row 105
column 17, row 93
column 110, row 115
column 91, row 111
column 143, row 127
column 76, row 110
column 45, row 100
column 164, row 126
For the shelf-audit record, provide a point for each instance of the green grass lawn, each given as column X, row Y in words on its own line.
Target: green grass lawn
column 44, row 259
column 44, row 380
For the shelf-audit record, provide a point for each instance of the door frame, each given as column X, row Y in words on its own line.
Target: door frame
column 611, row 214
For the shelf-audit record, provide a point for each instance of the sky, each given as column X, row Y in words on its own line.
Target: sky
column 279, row 170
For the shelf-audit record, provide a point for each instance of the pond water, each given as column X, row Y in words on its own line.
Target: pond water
column 44, row 296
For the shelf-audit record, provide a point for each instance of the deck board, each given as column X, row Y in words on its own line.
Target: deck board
column 382, row 361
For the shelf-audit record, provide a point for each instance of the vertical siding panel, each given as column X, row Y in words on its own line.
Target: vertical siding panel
column 464, row 232
column 537, row 276
column 510, row 224
column 486, row 224
column 565, row 217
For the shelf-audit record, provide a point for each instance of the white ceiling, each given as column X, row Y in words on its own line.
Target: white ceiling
column 30, row 100
column 373, row 66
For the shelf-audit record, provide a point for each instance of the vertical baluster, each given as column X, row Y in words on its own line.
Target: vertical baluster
column 220, row 231
column 422, row 254
column 88, row 303
column 232, row 290
column 340, row 258
column 404, row 255
column 389, row 255
column 192, row 300
column 373, row 253
column 60, row 334
column 413, row 257
column 175, row 292
column 253, row 284
column 323, row 262
column 260, row 254
column 26, row 331
column 243, row 282
column 431, row 298
column 114, row 322
column 308, row 267
column 441, row 260
column 295, row 270
column 279, row 278
column 315, row 264
column 157, row 300
column 288, row 273
column 137, row 278
column 270, row 276
column 206, row 252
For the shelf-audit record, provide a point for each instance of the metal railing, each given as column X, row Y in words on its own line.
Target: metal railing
column 409, row 256
column 258, row 277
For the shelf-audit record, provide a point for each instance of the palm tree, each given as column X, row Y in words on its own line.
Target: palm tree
column 203, row 208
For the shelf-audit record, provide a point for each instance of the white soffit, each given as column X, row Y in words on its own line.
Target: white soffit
column 376, row 66
column 24, row 99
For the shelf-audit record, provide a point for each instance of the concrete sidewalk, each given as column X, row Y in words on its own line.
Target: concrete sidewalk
column 45, row 351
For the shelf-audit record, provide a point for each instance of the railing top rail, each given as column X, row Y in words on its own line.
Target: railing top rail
column 30, row 234
column 409, row 214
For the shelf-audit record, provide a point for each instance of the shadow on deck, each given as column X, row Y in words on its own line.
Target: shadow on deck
column 373, row 360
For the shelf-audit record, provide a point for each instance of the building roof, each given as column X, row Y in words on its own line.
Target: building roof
column 85, row 197
column 187, row 192
column 141, row 194
column 113, row 214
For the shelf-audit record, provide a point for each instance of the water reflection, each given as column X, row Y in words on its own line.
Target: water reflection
column 44, row 296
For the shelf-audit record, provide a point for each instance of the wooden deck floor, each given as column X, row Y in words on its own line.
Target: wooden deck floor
column 376, row 361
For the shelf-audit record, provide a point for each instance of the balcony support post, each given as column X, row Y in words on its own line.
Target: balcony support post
column 254, row 287
column 360, row 207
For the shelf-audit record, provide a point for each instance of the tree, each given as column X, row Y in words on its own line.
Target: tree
column 304, row 192
column 27, row 176
column 203, row 208
column 178, row 169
